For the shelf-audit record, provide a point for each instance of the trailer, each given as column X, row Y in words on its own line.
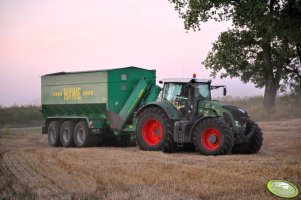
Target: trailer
column 94, row 105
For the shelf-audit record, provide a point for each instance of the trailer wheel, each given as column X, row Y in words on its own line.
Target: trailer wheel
column 66, row 134
column 81, row 131
column 54, row 134
column 154, row 130
column 256, row 141
column 213, row 136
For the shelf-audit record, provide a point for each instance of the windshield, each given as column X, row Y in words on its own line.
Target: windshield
column 177, row 94
column 202, row 91
column 173, row 91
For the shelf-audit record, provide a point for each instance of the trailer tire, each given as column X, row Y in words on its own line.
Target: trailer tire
column 66, row 134
column 54, row 134
column 154, row 130
column 256, row 141
column 213, row 136
column 82, row 138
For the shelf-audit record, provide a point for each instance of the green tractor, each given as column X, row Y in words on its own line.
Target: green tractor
column 185, row 115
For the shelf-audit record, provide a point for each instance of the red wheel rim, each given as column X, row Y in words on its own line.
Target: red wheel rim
column 152, row 132
column 211, row 139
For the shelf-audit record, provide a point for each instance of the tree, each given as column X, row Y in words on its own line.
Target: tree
column 262, row 46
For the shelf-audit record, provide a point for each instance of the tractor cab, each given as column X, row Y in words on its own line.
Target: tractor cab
column 184, row 94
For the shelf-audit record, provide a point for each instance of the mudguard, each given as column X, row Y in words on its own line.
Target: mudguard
column 238, row 114
column 167, row 107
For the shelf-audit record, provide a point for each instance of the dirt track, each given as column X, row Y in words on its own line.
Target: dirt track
column 30, row 168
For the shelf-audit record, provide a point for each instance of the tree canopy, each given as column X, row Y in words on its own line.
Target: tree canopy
column 263, row 45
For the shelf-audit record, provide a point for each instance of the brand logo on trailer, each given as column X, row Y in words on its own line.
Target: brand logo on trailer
column 282, row 189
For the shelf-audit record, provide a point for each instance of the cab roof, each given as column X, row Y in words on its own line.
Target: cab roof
column 185, row 80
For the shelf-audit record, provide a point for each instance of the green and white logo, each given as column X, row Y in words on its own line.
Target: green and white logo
column 282, row 189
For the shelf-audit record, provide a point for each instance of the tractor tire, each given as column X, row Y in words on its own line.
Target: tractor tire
column 54, row 134
column 255, row 143
column 213, row 136
column 82, row 137
column 66, row 134
column 154, row 131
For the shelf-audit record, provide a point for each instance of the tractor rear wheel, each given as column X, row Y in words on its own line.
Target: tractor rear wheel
column 213, row 136
column 255, row 142
column 66, row 134
column 154, row 130
column 54, row 133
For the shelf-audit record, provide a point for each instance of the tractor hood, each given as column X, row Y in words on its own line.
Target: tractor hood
column 239, row 114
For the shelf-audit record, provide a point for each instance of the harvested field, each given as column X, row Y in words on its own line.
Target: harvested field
column 32, row 169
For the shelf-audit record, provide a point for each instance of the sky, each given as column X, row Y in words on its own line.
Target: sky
column 38, row 37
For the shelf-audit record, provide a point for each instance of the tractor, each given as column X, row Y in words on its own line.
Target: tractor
column 185, row 114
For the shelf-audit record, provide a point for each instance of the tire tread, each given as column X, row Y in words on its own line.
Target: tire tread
column 227, row 135
column 255, row 145
column 167, row 145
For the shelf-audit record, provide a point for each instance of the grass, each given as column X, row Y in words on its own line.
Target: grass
column 5, row 131
column 129, row 173
column 20, row 116
column 18, row 133
column 287, row 107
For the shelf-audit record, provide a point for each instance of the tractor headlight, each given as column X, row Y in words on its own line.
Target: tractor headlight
column 244, row 113
column 241, row 110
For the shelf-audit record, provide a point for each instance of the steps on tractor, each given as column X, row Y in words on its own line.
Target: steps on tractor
column 179, row 132
column 180, row 139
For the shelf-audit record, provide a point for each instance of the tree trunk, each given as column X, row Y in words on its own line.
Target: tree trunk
column 271, row 83
column 270, row 92
column 298, row 45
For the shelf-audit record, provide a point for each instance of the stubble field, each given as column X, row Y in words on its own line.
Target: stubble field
column 30, row 169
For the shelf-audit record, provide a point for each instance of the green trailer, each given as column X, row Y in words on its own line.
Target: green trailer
column 102, row 100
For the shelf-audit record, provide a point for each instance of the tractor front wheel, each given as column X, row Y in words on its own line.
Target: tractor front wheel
column 213, row 136
column 154, row 130
column 255, row 143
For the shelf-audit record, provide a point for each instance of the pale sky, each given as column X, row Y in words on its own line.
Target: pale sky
column 46, row 36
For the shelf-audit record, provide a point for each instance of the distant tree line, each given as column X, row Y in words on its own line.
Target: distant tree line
column 20, row 116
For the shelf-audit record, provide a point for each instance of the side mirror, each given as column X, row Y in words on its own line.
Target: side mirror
column 225, row 91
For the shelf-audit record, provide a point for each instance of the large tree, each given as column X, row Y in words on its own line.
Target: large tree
column 263, row 44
